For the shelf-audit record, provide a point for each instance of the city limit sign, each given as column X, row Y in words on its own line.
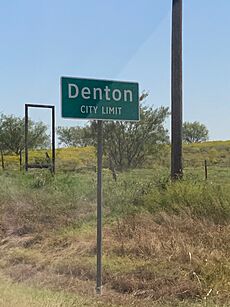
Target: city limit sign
column 99, row 99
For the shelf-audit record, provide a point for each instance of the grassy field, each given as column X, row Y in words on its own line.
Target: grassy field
column 164, row 244
column 15, row 294
column 67, row 159
column 217, row 153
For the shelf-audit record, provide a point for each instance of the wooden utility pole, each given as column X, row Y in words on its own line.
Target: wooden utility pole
column 176, row 91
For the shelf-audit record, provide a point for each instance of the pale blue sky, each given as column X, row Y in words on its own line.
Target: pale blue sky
column 42, row 40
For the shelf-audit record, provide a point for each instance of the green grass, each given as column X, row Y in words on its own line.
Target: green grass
column 68, row 159
column 14, row 294
column 75, row 159
column 164, row 243
column 215, row 152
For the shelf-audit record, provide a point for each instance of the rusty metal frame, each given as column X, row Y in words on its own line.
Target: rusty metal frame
column 44, row 106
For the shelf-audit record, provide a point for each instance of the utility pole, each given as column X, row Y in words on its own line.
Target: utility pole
column 176, row 91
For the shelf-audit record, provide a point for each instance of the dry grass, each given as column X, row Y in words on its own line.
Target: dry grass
column 14, row 294
column 161, row 258
column 156, row 253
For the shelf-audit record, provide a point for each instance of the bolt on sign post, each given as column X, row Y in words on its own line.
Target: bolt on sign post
column 101, row 100
column 176, row 89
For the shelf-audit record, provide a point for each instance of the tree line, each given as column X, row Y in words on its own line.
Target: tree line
column 126, row 144
column 12, row 136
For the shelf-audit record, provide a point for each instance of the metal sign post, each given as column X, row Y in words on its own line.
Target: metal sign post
column 107, row 100
column 99, row 205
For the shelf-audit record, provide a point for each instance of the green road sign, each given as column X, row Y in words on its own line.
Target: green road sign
column 99, row 99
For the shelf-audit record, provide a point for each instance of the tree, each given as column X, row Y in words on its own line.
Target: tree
column 74, row 136
column 127, row 144
column 194, row 132
column 12, row 134
column 37, row 135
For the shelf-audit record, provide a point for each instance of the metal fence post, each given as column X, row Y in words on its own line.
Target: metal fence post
column 205, row 169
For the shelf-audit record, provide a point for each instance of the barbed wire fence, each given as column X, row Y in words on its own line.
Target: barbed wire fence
column 215, row 171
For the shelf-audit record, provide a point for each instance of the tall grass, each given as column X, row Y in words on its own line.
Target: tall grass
column 12, row 294
column 198, row 199
column 164, row 243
